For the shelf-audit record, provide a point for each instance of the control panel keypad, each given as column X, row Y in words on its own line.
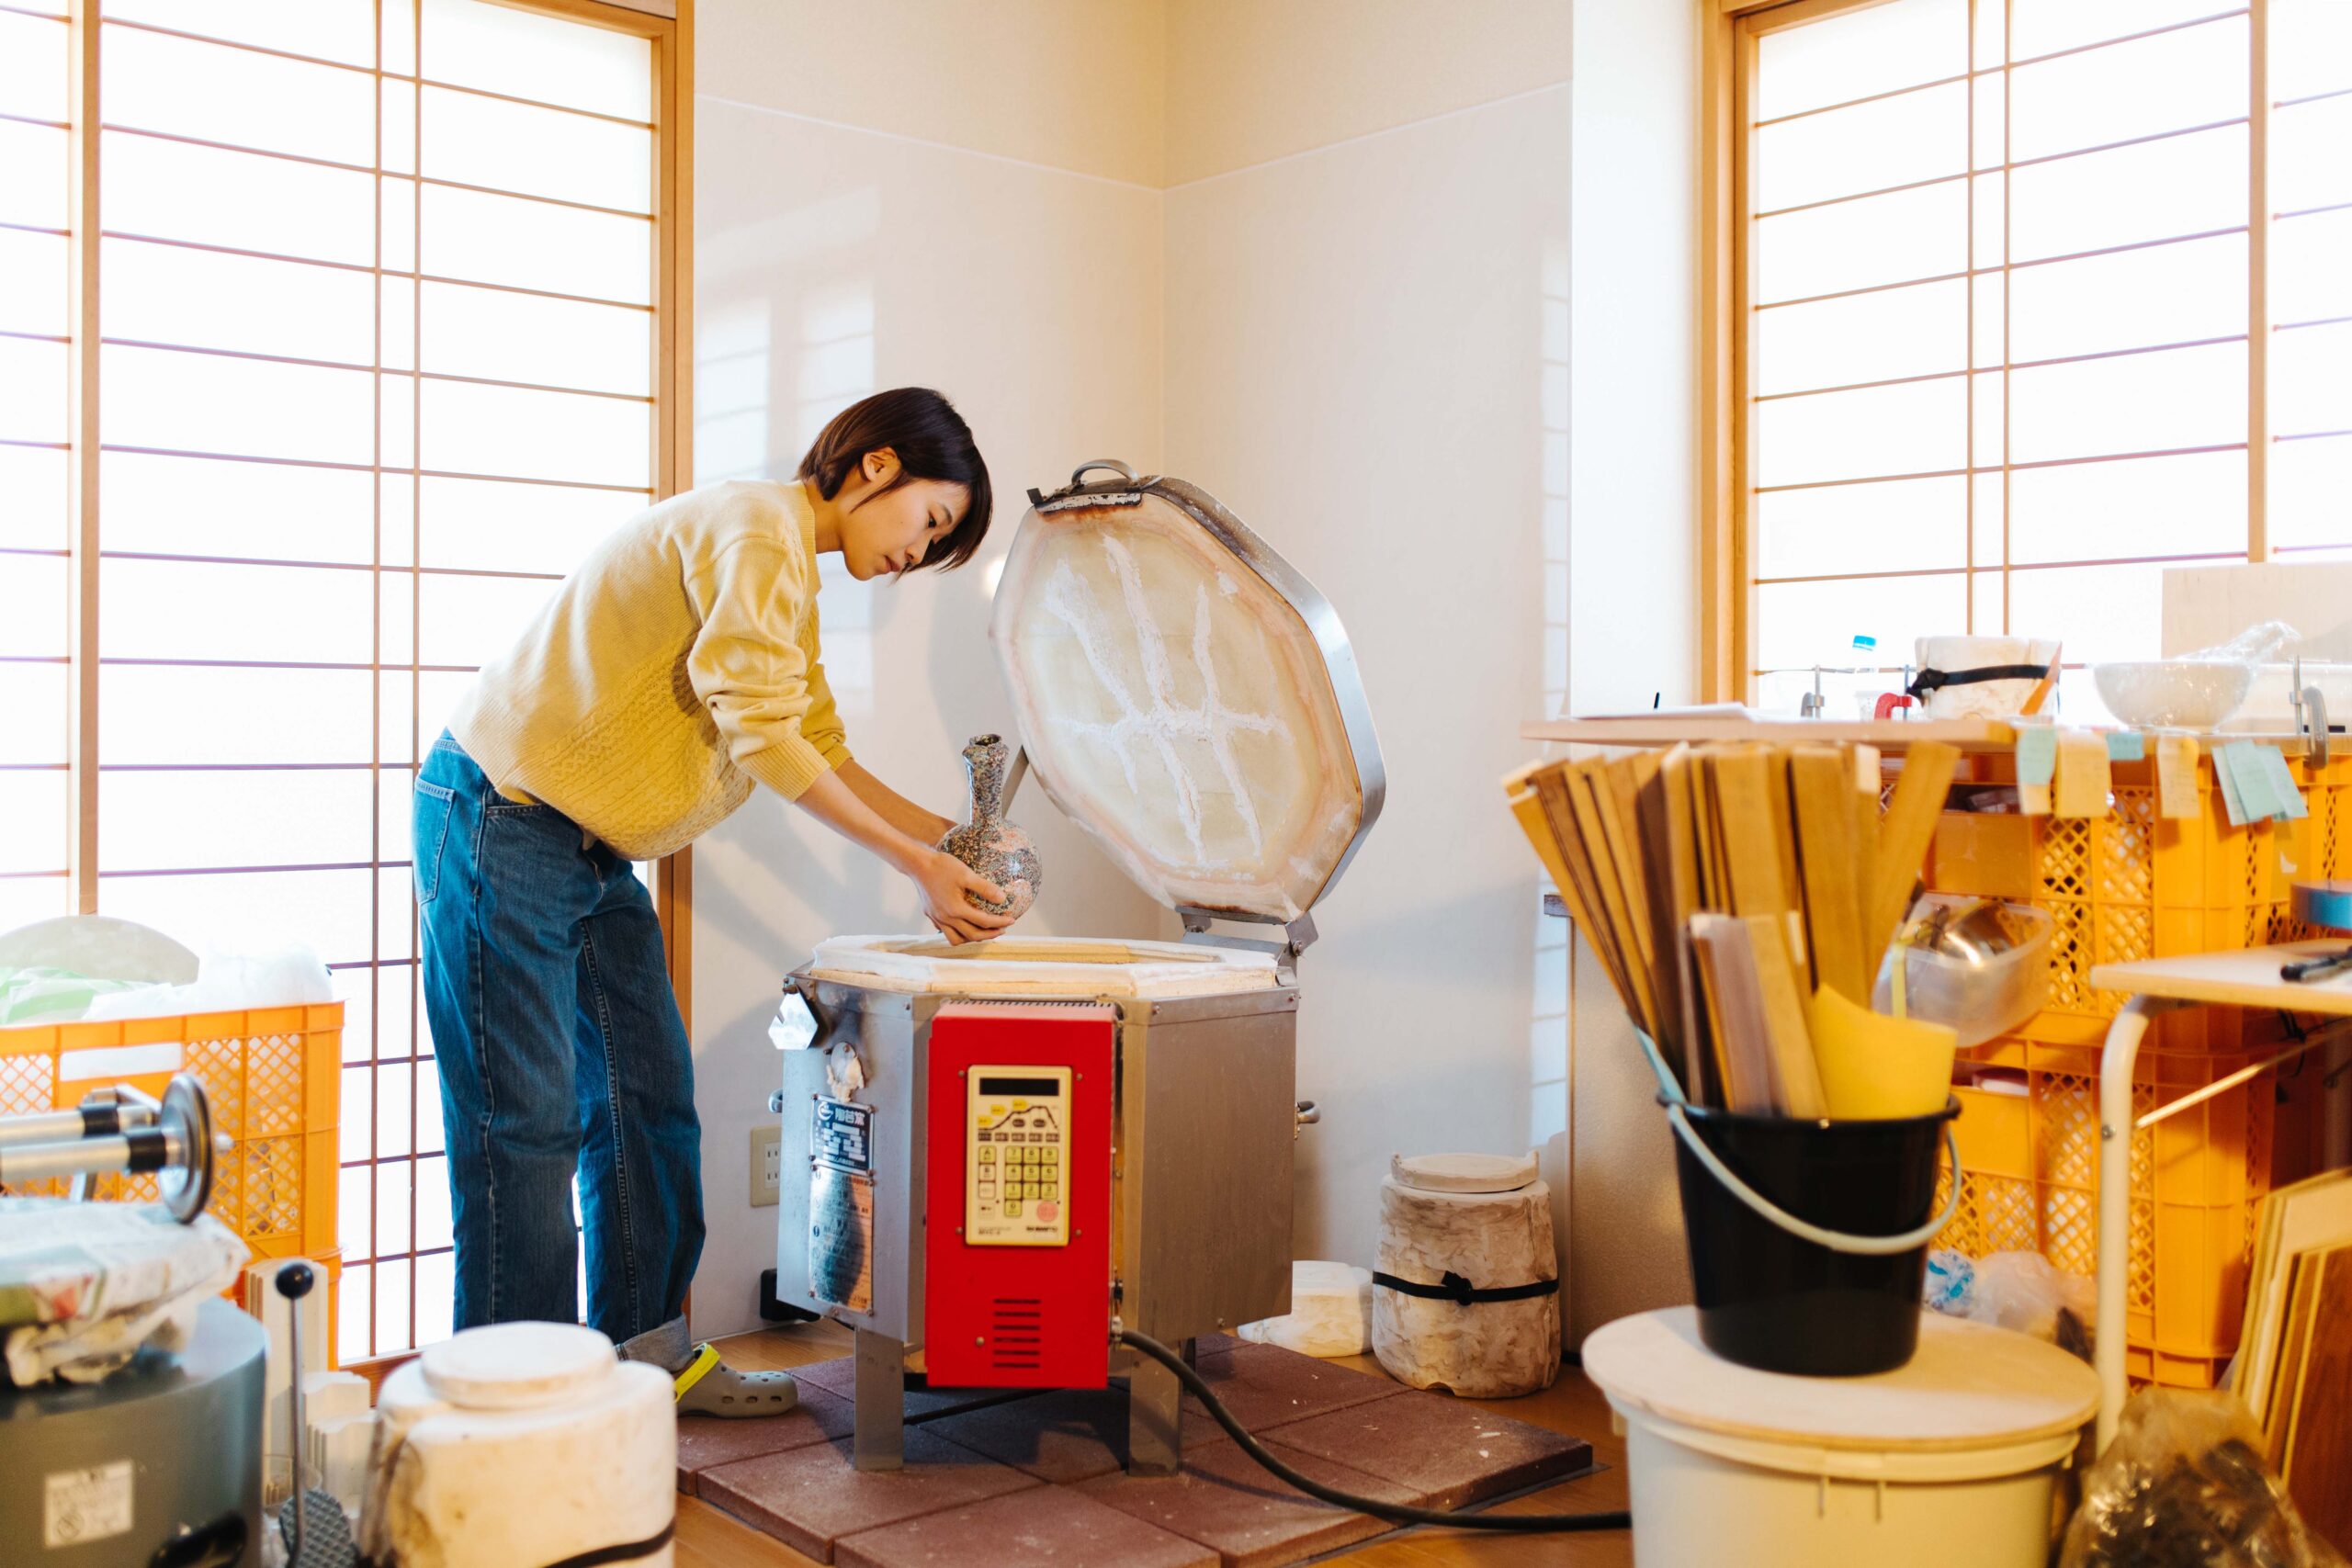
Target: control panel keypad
column 1017, row 1162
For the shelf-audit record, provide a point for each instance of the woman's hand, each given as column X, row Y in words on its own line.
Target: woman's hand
column 943, row 882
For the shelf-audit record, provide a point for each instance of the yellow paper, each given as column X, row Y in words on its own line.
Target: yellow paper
column 2176, row 778
column 2084, row 779
column 1873, row 1067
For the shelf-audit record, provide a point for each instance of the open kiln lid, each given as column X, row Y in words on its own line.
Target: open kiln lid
column 1186, row 697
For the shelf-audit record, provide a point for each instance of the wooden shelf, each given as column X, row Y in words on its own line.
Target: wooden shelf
column 1890, row 736
column 1666, row 730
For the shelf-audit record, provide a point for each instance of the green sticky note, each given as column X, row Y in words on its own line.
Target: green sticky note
column 2126, row 746
column 2282, row 780
column 2225, row 775
column 2262, row 794
column 2037, row 753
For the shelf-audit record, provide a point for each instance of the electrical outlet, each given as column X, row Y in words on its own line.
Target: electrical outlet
column 767, row 1156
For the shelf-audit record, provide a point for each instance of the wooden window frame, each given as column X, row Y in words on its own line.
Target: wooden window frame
column 1730, row 30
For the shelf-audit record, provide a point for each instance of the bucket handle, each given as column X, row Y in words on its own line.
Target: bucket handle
column 1803, row 1229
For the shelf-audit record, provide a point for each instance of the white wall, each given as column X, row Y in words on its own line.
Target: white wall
column 1355, row 364
column 1631, row 584
column 1376, row 218
column 833, row 261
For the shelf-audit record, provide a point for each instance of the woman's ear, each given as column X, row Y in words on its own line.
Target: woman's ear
column 879, row 466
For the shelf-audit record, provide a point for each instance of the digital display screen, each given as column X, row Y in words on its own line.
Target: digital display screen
column 1040, row 1088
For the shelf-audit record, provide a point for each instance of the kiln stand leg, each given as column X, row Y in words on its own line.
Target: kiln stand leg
column 880, row 1435
column 1155, row 1419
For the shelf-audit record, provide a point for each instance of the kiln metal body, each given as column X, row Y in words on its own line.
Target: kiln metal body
column 951, row 1159
column 1203, row 1117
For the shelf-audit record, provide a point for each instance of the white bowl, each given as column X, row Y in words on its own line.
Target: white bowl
column 2179, row 693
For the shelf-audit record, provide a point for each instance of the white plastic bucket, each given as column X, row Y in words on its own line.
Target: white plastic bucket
column 1702, row 1499
column 1949, row 1461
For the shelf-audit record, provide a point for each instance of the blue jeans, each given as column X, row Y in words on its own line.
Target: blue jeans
column 560, row 1050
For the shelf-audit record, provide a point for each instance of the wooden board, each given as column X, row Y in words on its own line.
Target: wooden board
column 1796, row 1077
column 1904, row 838
column 2311, row 1215
column 1835, row 892
column 2318, row 1463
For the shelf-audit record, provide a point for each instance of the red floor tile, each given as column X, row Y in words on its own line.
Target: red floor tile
column 811, row 1497
column 1226, row 1500
column 1047, row 1527
column 1448, row 1452
column 1264, row 1385
column 705, row 1441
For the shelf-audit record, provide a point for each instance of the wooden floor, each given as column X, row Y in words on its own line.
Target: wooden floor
column 709, row 1538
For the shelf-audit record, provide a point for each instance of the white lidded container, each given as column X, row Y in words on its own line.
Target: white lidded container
column 1948, row 1462
column 522, row 1443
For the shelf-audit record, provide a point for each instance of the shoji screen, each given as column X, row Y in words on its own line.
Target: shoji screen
column 378, row 326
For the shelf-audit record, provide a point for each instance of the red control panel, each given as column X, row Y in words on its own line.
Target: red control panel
column 1017, row 1234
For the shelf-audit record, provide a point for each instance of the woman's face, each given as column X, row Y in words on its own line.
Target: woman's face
column 885, row 532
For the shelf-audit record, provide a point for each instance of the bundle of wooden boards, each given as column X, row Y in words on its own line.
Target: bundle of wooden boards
column 1722, row 886
column 2294, row 1366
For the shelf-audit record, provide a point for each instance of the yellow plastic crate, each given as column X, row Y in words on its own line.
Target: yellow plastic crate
column 274, row 1077
column 2130, row 886
column 2030, row 1182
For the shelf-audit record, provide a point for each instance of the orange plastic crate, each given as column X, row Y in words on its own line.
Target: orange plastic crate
column 2125, row 886
column 275, row 1079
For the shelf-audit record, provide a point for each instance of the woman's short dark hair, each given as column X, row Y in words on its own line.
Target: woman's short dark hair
column 932, row 442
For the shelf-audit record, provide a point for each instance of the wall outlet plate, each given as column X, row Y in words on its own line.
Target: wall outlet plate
column 767, row 1154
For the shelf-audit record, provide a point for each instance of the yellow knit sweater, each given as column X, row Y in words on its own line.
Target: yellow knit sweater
column 677, row 666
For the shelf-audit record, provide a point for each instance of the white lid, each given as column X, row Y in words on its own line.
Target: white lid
column 1041, row 966
column 1186, row 697
column 1464, row 1173
column 1970, row 1386
column 517, row 1366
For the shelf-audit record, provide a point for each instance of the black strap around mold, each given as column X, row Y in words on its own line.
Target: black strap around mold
column 629, row 1552
column 1453, row 1287
column 1936, row 680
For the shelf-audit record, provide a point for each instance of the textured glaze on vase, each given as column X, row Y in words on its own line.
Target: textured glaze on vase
column 987, row 843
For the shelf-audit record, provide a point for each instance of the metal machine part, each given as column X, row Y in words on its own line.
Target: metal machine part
column 1201, row 1117
column 120, row 1129
column 1192, row 702
column 158, row 1464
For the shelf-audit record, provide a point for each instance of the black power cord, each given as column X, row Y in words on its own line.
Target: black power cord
column 1528, row 1524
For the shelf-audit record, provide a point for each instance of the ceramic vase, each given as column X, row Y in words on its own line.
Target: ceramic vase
column 987, row 843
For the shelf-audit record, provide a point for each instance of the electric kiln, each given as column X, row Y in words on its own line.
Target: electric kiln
column 993, row 1152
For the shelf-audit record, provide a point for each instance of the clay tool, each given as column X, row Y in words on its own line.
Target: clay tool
column 1820, row 778
column 1582, row 891
column 1869, row 780
column 1904, row 838
column 1655, row 855
column 1750, row 845
column 1616, row 910
column 1726, row 965
column 1796, row 1077
column 1528, row 808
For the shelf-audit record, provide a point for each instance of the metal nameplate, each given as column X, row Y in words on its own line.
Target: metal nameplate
column 841, row 1239
column 840, row 1135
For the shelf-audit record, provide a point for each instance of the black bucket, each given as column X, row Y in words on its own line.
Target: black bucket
column 1772, row 1299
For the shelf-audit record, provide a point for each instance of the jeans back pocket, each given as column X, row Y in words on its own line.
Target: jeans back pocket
column 430, row 830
